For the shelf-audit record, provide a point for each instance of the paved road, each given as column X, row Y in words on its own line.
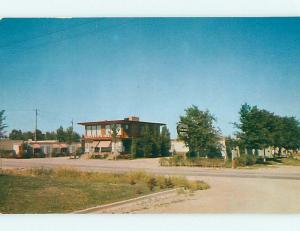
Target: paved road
column 152, row 165
column 265, row 190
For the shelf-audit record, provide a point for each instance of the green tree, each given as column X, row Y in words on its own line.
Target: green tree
column 27, row 151
column 133, row 148
column 2, row 124
column 151, row 143
column 255, row 127
column 19, row 135
column 16, row 135
column 146, row 141
column 148, row 144
column 68, row 135
column 230, row 143
column 259, row 129
column 61, row 134
column 40, row 135
column 165, row 141
column 28, row 135
column 290, row 133
column 196, row 129
column 50, row 136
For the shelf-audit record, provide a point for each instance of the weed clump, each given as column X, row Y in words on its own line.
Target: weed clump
column 152, row 183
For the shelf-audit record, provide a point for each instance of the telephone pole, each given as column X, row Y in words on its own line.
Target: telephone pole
column 74, row 152
column 36, row 114
column 72, row 123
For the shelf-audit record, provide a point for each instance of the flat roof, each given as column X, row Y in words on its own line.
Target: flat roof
column 107, row 122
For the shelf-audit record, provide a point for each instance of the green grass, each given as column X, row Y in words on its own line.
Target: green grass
column 67, row 190
column 289, row 161
column 220, row 163
column 193, row 162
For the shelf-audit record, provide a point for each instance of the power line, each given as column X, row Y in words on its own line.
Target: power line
column 42, row 45
column 47, row 34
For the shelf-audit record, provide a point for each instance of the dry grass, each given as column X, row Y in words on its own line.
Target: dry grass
column 193, row 162
column 61, row 190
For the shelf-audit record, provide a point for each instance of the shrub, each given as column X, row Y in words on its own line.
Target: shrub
column 193, row 186
column 138, row 190
column 245, row 160
column 151, row 183
column 68, row 172
column 180, row 182
column 132, row 182
column 99, row 156
column 168, row 182
column 260, row 160
column 131, row 178
column 197, row 185
column 41, row 171
column 79, row 151
column 7, row 154
column 163, row 161
column 214, row 153
column 192, row 162
column 124, row 157
column 137, row 176
column 39, row 155
column 161, row 181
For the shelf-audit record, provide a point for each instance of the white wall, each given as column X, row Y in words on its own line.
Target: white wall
column 178, row 146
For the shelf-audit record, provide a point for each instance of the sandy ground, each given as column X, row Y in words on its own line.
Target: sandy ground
column 264, row 190
column 238, row 195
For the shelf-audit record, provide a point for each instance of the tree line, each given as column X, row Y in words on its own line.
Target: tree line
column 259, row 129
column 151, row 143
column 61, row 134
column 256, row 129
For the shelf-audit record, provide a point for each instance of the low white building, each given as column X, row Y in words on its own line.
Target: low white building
column 179, row 146
column 11, row 145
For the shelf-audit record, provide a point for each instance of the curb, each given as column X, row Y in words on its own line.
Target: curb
column 115, row 204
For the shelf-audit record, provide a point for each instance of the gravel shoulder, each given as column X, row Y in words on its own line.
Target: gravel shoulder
column 237, row 195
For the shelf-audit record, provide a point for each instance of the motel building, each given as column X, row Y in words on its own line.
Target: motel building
column 98, row 134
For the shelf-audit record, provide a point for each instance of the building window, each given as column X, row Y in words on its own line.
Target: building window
column 88, row 130
column 94, row 131
column 99, row 130
column 107, row 130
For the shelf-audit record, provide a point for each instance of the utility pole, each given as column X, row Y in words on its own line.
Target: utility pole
column 72, row 125
column 36, row 114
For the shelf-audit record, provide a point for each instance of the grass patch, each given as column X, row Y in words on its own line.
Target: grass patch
column 243, row 162
column 65, row 190
column 289, row 161
column 193, row 162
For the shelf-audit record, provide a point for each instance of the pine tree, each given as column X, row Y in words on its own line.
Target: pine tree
column 2, row 124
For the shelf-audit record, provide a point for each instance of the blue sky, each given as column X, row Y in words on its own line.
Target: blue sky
column 109, row 68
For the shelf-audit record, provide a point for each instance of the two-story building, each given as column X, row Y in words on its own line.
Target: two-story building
column 98, row 134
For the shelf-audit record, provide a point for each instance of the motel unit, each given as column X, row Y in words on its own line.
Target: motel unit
column 98, row 134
